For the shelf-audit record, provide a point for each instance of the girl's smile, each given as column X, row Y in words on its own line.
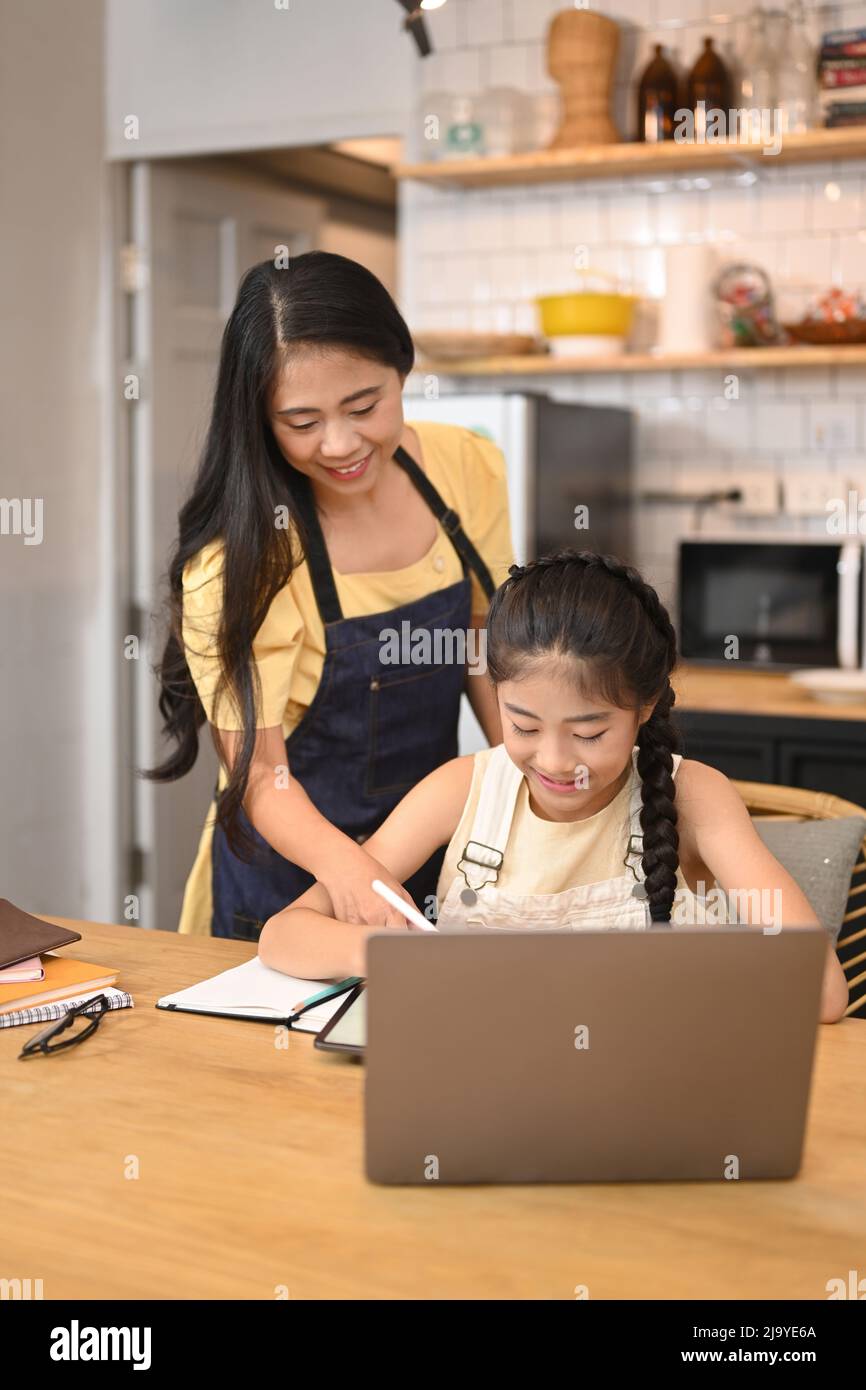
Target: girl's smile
column 556, row 784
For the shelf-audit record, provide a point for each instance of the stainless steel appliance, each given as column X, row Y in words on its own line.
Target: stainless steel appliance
column 789, row 601
column 560, row 457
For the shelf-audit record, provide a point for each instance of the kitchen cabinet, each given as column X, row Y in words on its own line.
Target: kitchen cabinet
column 822, row 755
column 207, row 78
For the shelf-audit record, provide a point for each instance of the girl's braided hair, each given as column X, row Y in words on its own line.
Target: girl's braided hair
column 600, row 611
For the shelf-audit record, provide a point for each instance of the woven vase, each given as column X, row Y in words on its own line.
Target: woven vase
column 581, row 56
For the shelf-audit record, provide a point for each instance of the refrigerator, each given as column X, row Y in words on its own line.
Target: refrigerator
column 569, row 471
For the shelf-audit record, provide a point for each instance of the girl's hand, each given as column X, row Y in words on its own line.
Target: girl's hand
column 347, row 880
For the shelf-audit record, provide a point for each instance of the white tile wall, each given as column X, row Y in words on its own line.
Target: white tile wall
column 484, row 22
column 477, row 258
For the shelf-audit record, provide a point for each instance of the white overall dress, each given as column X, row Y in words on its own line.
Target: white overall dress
column 472, row 897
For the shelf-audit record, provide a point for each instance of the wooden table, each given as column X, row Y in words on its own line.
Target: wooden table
column 251, row 1177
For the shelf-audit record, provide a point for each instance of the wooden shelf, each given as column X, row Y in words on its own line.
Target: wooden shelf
column 635, row 159
column 543, row 364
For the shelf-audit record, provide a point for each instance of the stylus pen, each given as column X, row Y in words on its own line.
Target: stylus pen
column 330, row 992
column 410, row 913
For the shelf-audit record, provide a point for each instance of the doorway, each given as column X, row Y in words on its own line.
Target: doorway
column 193, row 226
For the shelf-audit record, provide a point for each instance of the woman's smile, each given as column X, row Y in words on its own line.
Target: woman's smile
column 348, row 471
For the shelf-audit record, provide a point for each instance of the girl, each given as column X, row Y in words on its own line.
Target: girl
column 320, row 521
column 587, row 815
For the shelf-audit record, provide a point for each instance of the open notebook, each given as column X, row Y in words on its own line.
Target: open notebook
column 254, row 991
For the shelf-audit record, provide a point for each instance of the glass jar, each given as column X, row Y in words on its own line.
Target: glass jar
column 796, row 82
column 758, row 76
column 464, row 133
column 505, row 117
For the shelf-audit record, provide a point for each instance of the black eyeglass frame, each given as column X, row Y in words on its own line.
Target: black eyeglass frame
column 41, row 1041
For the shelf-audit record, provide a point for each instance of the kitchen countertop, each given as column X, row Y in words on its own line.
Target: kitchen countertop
column 720, row 691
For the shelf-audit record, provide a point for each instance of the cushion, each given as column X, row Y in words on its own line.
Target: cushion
column 819, row 855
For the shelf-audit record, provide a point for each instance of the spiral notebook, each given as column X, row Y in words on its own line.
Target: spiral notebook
column 255, row 992
column 44, row 1013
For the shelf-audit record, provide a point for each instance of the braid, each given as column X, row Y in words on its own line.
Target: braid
column 658, row 739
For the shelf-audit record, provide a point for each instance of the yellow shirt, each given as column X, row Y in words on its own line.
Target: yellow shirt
column 289, row 649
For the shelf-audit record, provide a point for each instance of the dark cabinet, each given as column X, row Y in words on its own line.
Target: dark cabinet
column 746, row 759
column 821, row 755
column 823, row 766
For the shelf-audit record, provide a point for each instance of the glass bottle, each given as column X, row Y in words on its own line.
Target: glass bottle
column 657, row 99
column 708, row 87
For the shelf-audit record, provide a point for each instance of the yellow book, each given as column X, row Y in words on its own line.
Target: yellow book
column 63, row 977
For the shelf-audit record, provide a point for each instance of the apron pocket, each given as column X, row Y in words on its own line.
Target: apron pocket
column 246, row 928
column 404, row 710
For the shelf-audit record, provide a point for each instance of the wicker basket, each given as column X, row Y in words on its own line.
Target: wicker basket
column 828, row 334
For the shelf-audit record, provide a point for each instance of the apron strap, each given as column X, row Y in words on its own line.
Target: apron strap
column 448, row 520
column 316, row 552
column 483, row 854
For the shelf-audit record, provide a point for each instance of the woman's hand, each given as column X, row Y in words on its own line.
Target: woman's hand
column 347, row 878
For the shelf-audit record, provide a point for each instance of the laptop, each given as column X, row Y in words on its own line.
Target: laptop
column 675, row 1053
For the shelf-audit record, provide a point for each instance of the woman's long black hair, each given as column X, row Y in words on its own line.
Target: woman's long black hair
column 592, row 607
column 318, row 300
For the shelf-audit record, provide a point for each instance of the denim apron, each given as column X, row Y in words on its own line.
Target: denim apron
column 372, row 731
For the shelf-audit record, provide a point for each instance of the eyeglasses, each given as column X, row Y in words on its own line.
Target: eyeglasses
column 43, row 1040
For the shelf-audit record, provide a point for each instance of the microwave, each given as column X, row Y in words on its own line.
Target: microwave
column 789, row 601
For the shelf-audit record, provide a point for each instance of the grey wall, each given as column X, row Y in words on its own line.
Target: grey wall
column 57, row 798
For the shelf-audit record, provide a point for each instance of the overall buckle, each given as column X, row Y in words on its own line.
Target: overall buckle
column 480, row 864
column 633, row 851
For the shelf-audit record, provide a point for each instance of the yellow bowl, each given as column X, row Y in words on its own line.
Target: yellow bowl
column 588, row 311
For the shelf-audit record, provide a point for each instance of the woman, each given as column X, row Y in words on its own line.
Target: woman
column 319, row 525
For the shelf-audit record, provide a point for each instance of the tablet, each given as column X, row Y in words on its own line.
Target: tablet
column 347, row 1030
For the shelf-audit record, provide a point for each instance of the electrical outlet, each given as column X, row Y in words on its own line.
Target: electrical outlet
column 807, row 494
column 760, row 491
column 760, row 494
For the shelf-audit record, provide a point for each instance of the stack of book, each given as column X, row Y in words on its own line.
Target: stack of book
column 37, row 984
column 842, row 74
